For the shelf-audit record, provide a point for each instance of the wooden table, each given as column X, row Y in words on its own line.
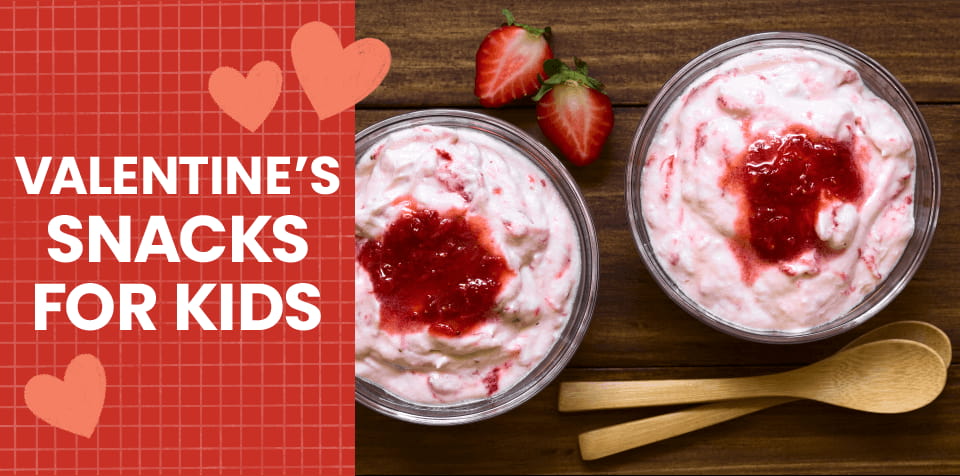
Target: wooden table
column 637, row 332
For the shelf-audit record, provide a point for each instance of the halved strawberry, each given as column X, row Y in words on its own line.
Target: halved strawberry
column 510, row 62
column 573, row 111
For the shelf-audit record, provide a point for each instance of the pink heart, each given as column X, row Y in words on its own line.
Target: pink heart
column 248, row 100
column 337, row 78
column 74, row 403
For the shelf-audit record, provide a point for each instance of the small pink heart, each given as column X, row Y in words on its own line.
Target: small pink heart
column 337, row 78
column 74, row 403
column 248, row 100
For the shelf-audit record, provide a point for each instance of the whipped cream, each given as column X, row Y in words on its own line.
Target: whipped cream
column 463, row 172
column 695, row 214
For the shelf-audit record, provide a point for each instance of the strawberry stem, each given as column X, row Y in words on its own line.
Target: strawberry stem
column 559, row 73
column 511, row 21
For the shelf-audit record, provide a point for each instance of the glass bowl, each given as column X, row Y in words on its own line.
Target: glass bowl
column 883, row 84
column 377, row 398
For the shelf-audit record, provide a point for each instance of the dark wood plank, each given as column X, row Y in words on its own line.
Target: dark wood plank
column 800, row 437
column 634, row 47
column 635, row 324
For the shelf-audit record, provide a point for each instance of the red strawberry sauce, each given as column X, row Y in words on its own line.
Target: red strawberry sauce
column 435, row 271
column 785, row 180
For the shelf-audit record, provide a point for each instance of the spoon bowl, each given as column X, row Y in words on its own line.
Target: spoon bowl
column 887, row 376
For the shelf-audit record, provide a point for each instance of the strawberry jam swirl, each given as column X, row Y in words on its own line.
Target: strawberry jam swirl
column 467, row 262
column 782, row 164
column 432, row 271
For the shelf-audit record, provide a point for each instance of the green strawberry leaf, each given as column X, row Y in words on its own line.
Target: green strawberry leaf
column 559, row 73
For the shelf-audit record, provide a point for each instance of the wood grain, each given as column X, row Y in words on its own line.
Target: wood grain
column 637, row 332
column 635, row 46
column 797, row 437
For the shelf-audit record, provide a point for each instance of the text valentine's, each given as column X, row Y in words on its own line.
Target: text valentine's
column 200, row 238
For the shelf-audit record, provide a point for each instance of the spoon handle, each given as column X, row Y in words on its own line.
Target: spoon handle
column 616, row 438
column 579, row 396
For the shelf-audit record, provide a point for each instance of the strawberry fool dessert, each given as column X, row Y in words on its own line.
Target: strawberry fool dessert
column 467, row 263
column 778, row 190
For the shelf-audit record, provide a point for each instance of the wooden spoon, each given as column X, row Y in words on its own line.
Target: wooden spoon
column 579, row 396
column 614, row 439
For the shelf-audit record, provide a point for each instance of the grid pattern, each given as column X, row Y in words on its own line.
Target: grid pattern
column 111, row 78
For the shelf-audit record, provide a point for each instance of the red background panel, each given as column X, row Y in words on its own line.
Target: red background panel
column 115, row 78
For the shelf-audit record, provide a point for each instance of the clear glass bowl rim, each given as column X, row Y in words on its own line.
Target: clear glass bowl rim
column 927, row 174
column 381, row 401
